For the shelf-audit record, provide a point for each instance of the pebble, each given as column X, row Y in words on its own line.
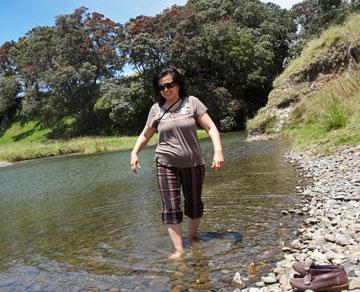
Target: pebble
column 260, row 284
column 269, row 280
column 354, row 283
column 238, row 280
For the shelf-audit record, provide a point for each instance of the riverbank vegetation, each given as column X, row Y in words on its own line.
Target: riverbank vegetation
column 316, row 100
column 328, row 118
column 68, row 77
column 29, row 141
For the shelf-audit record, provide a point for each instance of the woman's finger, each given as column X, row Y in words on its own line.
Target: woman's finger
column 216, row 165
column 135, row 165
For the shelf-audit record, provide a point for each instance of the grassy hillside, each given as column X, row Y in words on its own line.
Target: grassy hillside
column 30, row 141
column 329, row 117
column 316, row 100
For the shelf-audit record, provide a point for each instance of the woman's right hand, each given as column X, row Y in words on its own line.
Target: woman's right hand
column 134, row 163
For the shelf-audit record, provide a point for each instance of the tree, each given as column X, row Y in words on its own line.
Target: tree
column 125, row 103
column 62, row 68
column 226, row 49
column 9, row 87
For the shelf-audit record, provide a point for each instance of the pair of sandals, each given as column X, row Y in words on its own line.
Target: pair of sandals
column 319, row 277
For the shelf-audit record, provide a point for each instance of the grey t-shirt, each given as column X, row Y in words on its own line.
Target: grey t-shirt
column 178, row 144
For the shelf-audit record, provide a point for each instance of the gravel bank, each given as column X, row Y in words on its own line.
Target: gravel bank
column 331, row 229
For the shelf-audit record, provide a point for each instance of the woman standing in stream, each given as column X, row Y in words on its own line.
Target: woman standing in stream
column 178, row 156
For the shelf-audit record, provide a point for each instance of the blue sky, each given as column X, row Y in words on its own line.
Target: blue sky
column 17, row 17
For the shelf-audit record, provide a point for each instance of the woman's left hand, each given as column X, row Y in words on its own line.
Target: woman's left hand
column 218, row 160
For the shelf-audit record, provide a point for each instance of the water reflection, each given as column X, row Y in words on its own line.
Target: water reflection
column 80, row 222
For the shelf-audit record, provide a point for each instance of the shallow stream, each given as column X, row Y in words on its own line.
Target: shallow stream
column 81, row 222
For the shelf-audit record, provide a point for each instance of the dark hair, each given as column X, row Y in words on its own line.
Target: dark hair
column 178, row 78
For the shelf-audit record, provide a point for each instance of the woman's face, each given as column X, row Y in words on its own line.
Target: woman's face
column 168, row 88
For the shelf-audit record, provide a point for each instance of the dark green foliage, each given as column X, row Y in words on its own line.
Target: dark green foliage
column 62, row 68
column 9, row 88
column 229, row 51
column 125, row 103
column 9, row 102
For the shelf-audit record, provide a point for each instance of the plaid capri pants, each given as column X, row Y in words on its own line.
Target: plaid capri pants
column 170, row 180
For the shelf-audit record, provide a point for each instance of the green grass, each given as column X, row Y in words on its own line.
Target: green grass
column 328, row 118
column 30, row 141
column 30, row 132
column 310, row 136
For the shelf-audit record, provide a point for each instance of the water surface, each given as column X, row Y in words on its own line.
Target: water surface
column 81, row 222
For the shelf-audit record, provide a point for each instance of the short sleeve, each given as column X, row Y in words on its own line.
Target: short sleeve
column 197, row 106
column 152, row 117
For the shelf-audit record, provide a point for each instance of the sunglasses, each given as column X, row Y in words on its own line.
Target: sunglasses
column 169, row 85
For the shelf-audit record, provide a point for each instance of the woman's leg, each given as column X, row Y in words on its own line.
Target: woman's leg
column 192, row 180
column 175, row 237
column 193, row 226
column 172, row 214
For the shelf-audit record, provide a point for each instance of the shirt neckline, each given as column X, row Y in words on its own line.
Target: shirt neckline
column 176, row 107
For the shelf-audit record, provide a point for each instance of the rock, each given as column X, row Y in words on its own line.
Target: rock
column 354, row 283
column 330, row 238
column 296, row 244
column 269, row 280
column 312, row 220
column 289, row 257
column 301, row 230
column 284, row 281
column 238, row 280
column 260, row 284
column 342, row 240
column 271, row 288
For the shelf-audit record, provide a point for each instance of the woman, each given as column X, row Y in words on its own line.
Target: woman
column 178, row 156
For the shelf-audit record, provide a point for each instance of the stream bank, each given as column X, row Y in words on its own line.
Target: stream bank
column 331, row 228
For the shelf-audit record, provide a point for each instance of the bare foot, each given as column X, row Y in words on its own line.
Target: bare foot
column 176, row 255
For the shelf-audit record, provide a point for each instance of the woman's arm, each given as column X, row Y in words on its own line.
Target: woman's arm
column 208, row 125
column 141, row 142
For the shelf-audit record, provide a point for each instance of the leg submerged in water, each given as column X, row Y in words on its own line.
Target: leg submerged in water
column 175, row 237
column 193, row 226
